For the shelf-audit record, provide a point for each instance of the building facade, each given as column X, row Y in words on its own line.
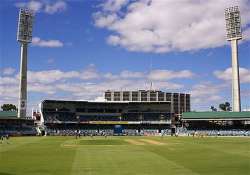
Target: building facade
column 180, row 102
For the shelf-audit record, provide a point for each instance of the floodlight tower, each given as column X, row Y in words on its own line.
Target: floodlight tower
column 233, row 28
column 24, row 36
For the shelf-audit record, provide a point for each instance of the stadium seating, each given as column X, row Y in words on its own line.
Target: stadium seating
column 60, row 117
column 233, row 132
column 131, row 132
column 13, row 130
column 145, row 132
column 149, row 132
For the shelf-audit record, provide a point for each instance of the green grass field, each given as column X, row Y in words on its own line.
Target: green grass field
column 125, row 155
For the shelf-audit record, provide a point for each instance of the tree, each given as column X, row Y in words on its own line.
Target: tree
column 9, row 107
column 213, row 108
column 222, row 106
column 225, row 106
column 228, row 107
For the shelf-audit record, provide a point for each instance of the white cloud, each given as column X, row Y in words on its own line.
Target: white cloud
column 86, row 84
column 50, row 76
column 102, row 21
column 168, row 75
column 35, row 6
column 227, row 75
column 56, row 7
column 245, row 92
column 246, row 34
column 205, row 90
column 166, row 25
column 110, row 76
column 100, row 99
column 8, row 71
column 41, row 88
column 36, row 41
column 43, row 6
column 89, row 84
column 8, row 80
column 246, row 109
column 155, row 75
column 206, row 94
column 114, row 5
column 89, row 73
column 130, row 74
column 8, row 91
column 96, row 89
column 50, row 60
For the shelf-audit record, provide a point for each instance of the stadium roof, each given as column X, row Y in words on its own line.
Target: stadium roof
column 8, row 114
column 216, row 116
column 107, row 102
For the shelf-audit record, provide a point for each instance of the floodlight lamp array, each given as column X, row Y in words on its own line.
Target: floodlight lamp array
column 25, row 22
column 233, row 24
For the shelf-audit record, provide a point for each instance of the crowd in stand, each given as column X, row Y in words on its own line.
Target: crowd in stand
column 51, row 117
column 82, row 132
column 14, row 131
column 149, row 132
column 234, row 132
column 109, row 132
column 28, row 130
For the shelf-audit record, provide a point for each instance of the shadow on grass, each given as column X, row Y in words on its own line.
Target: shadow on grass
column 2, row 173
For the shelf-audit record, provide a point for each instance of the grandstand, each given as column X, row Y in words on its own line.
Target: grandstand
column 137, row 117
column 131, row 116
column 11, row 125
column 216, row 123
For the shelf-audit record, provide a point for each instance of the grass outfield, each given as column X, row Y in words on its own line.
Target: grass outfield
column 125, row 155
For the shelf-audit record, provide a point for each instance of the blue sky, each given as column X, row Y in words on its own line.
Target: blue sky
column 81, row 48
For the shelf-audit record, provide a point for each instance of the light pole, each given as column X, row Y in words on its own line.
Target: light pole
column 24, row 36
column 233, row 29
